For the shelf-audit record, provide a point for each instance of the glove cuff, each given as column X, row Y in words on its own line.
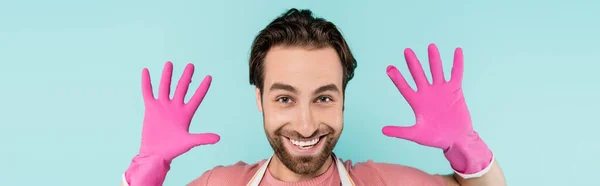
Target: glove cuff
column 470, row 157
column 147, row 171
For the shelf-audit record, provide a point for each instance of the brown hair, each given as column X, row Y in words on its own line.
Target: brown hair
column 299, row 28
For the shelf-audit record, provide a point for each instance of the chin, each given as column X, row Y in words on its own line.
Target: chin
column 306, row 156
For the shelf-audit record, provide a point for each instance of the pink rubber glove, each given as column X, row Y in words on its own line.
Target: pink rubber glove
column 443, row 119
column 166, row 122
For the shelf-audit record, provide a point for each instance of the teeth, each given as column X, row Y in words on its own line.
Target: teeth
column 305, row 143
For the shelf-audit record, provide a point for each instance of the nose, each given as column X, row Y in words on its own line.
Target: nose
column 306, row 124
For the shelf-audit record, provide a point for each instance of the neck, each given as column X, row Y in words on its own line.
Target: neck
column 282, row 173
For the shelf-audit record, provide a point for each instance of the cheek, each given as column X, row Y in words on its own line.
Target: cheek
column 275, row 118
column 334, row 117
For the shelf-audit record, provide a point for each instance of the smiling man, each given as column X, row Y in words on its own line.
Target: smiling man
column 301, row 66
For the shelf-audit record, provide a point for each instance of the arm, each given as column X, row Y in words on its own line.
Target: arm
column 473, row 163
column 494, row 177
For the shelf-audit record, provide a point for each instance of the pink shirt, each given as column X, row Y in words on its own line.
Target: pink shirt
column 363, row 173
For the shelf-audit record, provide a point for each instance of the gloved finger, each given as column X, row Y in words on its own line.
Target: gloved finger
column 458, row 66
column 164, row 89
column 399, row 81
column 415, row 68
column 147, row 93
column 184, row 83
column 408, row 133
column 200, row 93
column 204, row 139
column 435, row 64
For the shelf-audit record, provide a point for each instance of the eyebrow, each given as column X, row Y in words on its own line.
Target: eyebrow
column 281, row 86
column 330, row 87
column 290, row 88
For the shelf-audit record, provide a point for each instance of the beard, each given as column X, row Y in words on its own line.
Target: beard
column 303, row 165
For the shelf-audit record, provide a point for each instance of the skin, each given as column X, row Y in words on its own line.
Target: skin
column 293, row 107
column 302, row 97
column 494, row 177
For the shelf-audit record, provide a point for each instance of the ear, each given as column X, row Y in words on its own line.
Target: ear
column 258, row 99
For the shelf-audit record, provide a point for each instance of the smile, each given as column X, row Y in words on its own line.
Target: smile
column 306, row 146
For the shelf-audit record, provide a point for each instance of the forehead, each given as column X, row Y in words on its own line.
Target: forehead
column 301, row 67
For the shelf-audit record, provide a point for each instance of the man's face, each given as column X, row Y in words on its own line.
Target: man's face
column 302, row 105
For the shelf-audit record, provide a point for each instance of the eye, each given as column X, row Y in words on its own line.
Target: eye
column 324, row 99
column 284, row 100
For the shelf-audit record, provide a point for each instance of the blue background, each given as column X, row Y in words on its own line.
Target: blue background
column 71, row 107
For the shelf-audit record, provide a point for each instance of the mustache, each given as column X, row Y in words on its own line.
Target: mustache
column 296, row 135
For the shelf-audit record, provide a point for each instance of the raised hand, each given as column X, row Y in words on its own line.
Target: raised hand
column 165, row 132
column 442, row 117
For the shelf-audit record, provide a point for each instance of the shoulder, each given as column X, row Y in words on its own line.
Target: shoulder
column 237, row 174
column 370, row 172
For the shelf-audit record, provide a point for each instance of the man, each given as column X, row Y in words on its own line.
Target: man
column 301, row 66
